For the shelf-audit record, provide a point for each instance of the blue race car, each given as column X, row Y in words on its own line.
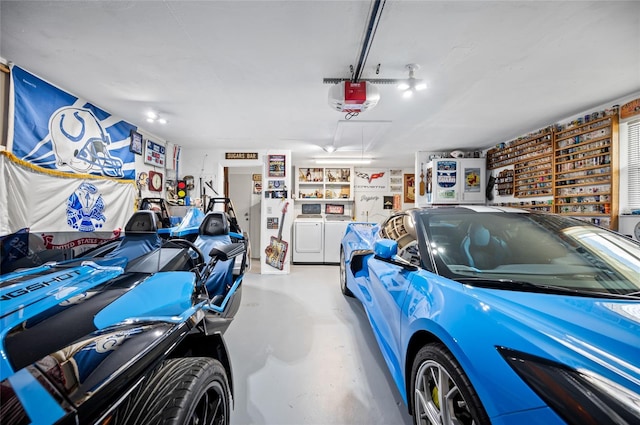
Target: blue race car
column 129, row 333
column 502, row 316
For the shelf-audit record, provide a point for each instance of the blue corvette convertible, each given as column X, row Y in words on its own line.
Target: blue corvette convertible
column 503, row 316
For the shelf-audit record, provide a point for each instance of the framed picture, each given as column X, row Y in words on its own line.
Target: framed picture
column 409, row 188
column 276, row 165
column 154, row 154
column 275, row 185
column 136, row 142
column 334, row 209
column 387, row 202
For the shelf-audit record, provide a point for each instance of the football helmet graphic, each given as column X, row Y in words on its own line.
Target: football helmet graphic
column 80, row 142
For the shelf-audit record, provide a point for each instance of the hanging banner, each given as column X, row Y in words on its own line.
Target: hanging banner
column 64, row 211
column 58, row 131
column 371, row 179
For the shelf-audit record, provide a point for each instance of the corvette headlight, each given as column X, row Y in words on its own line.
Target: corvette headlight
column 579, row 397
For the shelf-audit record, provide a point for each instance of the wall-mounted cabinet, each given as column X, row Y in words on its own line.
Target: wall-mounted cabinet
column 324, row 183
column 586, row 171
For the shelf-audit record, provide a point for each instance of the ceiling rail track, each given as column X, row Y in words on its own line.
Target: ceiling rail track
column 372, row 27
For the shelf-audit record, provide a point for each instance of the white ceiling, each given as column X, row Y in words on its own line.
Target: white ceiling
column 248, row 75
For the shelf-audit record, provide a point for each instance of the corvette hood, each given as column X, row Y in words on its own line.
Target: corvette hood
column 578, row 331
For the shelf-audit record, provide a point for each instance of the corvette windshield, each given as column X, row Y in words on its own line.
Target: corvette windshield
column 536, row 248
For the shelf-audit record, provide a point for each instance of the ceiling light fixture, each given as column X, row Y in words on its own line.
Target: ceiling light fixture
column 352, row 161
column 412, row 84
column 407, row 85
column 155, row 117
column 329, row 148
column 347, row 161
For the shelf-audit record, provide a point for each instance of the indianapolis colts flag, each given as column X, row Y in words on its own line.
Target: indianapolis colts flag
column 56, row 130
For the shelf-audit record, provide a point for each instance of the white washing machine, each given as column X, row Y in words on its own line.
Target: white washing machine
column 334, row 228
column 629, row 225
column 308, row 239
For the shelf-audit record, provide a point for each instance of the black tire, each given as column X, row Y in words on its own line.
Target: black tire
column 193, row 390
column 343, row 276
column 463, row 407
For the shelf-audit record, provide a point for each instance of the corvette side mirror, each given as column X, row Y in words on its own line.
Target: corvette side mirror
column 385, row 248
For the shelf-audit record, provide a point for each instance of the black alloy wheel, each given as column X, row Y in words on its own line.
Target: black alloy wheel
column 442, row 393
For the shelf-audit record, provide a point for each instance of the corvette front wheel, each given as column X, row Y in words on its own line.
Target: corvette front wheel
column 442, row 393
column 343, row 276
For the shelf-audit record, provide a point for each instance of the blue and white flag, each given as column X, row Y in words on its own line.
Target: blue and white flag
column 56, row 130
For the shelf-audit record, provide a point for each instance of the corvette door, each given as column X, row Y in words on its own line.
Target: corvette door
column 388, row 289
column 389, row 281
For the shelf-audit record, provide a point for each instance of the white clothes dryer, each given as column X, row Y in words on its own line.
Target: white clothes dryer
column 308, row 239
column 334, row 228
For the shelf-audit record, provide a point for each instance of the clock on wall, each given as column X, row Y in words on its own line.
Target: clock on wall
column 155, row 181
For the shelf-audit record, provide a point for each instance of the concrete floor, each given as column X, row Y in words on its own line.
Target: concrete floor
column 302, row 353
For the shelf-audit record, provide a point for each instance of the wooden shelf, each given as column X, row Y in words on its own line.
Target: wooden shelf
column 532, row 159
column 574, row 164
column 586, row 170
column 533, row 146
column 324, row 184
column 504, row 182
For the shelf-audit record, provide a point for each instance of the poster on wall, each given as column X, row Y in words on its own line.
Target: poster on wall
column 472, row 179
column 446, row 173
column 257, row 183
column 409, row 188
column 277, row 165
column 388, row 203
column 58, row 131
column 395, row 180
column 136, row 142
column 371, row 180
column 154, row 154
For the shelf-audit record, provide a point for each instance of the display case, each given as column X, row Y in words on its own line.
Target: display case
column 523, row 152
column 586, row 170
column 324, row 183
column 532, row 160
column 504, row 182
column 456, row 181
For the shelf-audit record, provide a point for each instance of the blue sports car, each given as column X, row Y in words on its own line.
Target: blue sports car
column 502, row 316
